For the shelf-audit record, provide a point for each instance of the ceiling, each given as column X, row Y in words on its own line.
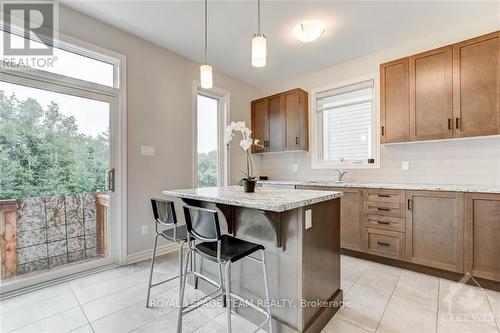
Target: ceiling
column 354, row 29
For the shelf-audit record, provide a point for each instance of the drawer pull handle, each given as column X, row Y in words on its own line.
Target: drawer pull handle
column 384, row 209
column 382, row 222
column 383, row 244
column 383, row 195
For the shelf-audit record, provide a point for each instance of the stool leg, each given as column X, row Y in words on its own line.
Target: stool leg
column 228, row 295
column 193, row 268
column 266, row 286
column 181, row 294
column 151, row 271
column 181, row 258
column 222, row 287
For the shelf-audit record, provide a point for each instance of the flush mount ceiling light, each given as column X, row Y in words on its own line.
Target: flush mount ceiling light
column 206, row 68
column 259, row 41
column 309, row 30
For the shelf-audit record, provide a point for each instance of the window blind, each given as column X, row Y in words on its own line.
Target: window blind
column 347, row 122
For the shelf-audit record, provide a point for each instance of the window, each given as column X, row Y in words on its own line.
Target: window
column 210, row 152
column 344, row 117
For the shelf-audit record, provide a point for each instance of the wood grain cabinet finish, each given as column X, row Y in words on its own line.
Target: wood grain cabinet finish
column 450, row 92
column 394, row 101
column 435, row 229
column 281, row 122
column 351, row 216
column 431, row 92
column 384, row 243
column 476, row 86
column 260, row 123
column 482, row 235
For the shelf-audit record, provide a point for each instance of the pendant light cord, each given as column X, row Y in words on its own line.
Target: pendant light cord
column 258, row 15
column 206, row 19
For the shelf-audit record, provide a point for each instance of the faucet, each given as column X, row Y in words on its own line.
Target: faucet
column 341, row 174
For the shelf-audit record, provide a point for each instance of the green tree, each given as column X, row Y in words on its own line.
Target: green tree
column 42, row 153
column 207, row 169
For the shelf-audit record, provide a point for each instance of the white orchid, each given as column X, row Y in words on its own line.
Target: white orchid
column 246, row 142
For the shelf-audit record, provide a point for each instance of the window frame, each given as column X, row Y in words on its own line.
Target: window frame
column 222, row 96
column 118, row 117
column 316, row 120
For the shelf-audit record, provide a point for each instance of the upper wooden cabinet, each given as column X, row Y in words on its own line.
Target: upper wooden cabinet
column 280, row 122
column 476, row 86
column 394, row 101
column 450, row 92
column 431, row 92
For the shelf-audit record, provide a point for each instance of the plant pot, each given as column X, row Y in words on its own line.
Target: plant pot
column 249, row 185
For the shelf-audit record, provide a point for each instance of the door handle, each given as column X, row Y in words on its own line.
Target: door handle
column 409, row 204
column 111, row 180
column 383, row 132
column 457, row 123
column 296, row 140
column 449, row 124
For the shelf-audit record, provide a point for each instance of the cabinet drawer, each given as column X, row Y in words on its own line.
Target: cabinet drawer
column 377, row 195
column 385, row 243
column 385, row 222
column 384, row 209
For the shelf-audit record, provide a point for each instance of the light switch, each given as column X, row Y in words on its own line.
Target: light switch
column 309, row 222
column 295, row 167
column 405, row 165
column 148, row 150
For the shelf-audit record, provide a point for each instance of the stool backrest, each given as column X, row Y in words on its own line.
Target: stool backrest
column 164, row 212
column 202, row 224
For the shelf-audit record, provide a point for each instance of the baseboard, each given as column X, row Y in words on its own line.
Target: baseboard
column 146, row 254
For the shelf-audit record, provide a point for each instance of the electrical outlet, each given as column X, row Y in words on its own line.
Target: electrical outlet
column 295, row 167
column 144, row 230
column 148, row 150
column 405, row 165
column 309, row 222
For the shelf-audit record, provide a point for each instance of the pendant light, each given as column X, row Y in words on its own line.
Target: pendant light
column 206, row 68
column 259, row 41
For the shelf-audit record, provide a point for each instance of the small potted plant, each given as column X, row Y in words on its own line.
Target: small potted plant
column 246, row 143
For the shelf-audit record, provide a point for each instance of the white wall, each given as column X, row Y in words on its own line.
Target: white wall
column 474, row 161
column 160, row 113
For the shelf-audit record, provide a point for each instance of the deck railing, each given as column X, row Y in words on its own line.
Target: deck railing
column 40, row 233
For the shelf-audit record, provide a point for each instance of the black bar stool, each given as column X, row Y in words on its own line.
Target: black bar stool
column 205, row 240
column 164, row 215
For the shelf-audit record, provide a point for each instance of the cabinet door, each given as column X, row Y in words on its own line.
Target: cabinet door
column 476, row 86
column 434, row 229
column 431, row 91
column 351, row 215
column 394, row 101
column 296, row 120
column 260, row 124
column 276, row 123
column 482, row 235
column 351, row 219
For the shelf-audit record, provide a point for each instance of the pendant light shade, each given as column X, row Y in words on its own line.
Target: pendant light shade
column 206, row 79
column 259, row 50
column 259, row 47
column 206, row 76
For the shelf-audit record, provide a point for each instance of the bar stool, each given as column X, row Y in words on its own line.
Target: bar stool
column 164, row 215
column 205, row 240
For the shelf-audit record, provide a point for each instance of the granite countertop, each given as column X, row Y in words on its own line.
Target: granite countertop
column 270, row 199
column 392, row 186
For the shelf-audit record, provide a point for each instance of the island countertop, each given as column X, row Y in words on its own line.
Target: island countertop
column 270, row 199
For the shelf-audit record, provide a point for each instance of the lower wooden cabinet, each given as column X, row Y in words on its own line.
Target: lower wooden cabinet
column 482, row 235
column 434, row 229
column 384, row 243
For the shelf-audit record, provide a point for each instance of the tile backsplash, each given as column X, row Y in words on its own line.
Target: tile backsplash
column 464, row 161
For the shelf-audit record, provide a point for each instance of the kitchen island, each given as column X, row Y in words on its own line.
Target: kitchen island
column 300, row 230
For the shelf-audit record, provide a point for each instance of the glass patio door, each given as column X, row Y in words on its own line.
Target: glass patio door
column 55, row 187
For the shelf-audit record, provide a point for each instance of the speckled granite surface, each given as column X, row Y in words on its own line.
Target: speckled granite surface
column 275, row 200
column 392, row 186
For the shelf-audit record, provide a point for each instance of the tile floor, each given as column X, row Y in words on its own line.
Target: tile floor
column 380, row 299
